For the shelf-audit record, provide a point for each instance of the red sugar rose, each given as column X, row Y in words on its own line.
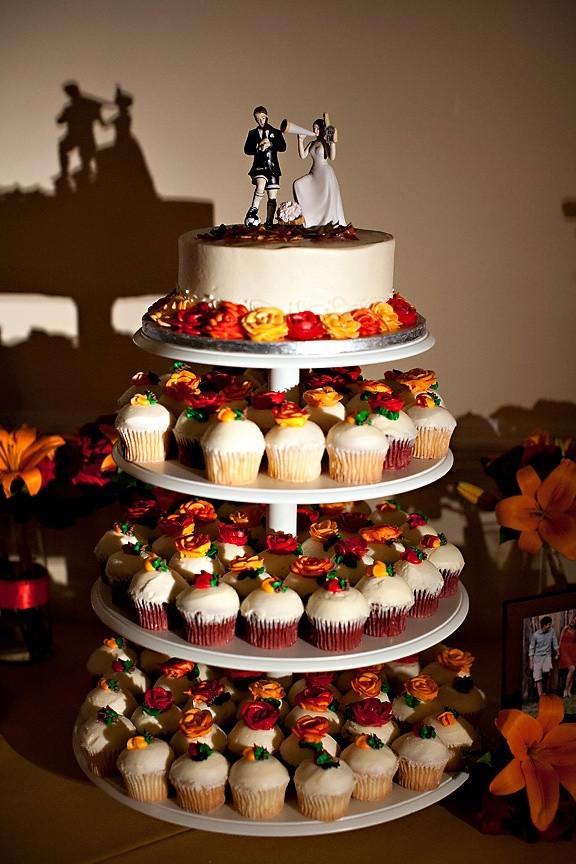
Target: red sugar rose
column 369, row 712
column 260, row 715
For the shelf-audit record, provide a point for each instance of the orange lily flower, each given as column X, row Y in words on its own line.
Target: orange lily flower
column 20, row 453
column 544, row 757
column 545, row 512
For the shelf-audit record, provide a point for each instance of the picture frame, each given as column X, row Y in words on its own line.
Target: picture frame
column 520, row 619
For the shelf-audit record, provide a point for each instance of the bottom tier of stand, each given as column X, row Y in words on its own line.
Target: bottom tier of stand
column 290, row 822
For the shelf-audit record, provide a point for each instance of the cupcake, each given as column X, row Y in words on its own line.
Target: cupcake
column 258, row 726
column 142, row 382
column 422, row 759
column 213, row 696
column 258, row 783
column 420, row 698
column 245, row 574
column 336, row 615
column 113, row 647
column 390, row 599
column 308, row 736
column 415, row 528
column 464, row 697
column 107, row 694
column 172, row 527
column 102, row 737
column 434, row 427
column 351, row 559
column 369, row 716
column 209, row 608
column 400, row 670
column 324, row 786
column 456, row 733
column 314, row 679
column 423, row 578
column 233, row 448
column 388, row 512
column 388, row 416
column 373, row 765
column 317, row 701
column 144, row 764
column 130, row 677
column 260, row 407
column 145, row 429
column 281, row 551
column 366, row 389
column 199, row 778
column 195, row 553
column 114, row 539
column 306, row 574
column 232, row 542
column 190, row 426
column 120, row 569
column 294, row 446
column 197, row 725
column 323, row 534
column 204, row 514
column 447, row 558
column 158, row 714
column 365, row 685
column 267, row 690
column 271, row 615
column 178, row 387
column 325, row 406
column 356, row 450
column 153, row 591
column 449, row 662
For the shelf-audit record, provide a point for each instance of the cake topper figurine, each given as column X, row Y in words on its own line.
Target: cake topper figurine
column 263, row 144
column 318, row 193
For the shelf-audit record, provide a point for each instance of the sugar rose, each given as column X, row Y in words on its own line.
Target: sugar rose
column 176, row 524
column 205, row 692
column 311, row 729
column 265, row 325
column 196, row 722
column 322, row 397
column 281, row 543
column 352, row 521
column 341, row 326
column 203, row 511
column 267, row 689
column 418, row 380
column 369, row 712
column 368, row 320
column 325, row 531
column 260, row 715
column 422, row 687
column 455, row 660
column 389, row 319
column 366, row 684
column 233, row 534
column 158, row 698
column 305, row 326
column 318, row 699
column 353, row 549
column 310, row 567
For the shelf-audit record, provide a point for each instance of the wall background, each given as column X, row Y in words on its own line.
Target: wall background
column 457, row 131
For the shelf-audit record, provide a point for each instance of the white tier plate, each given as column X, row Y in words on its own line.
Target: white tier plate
column 321, row 353
column 178, row 478
column 290, row 821
column 420, row 633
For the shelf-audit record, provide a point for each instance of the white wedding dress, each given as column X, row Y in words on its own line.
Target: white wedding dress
column 318, row 193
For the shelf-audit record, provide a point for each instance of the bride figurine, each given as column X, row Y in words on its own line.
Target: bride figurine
column 317, row 192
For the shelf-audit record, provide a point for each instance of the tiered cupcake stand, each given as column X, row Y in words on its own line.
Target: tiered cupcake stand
column 284, row 362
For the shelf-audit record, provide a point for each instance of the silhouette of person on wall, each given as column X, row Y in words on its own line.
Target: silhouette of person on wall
column 121, row 167
column 79, row 115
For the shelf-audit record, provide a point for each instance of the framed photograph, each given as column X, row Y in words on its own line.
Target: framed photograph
column 539, row 650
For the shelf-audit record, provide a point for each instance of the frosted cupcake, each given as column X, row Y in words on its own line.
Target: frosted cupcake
column 272, row 614
column 195, row 553
column 157, row 715
column 178, row 387
column 233, row 448
column 370, row 716
column 197, row 726
column 420, row 698
column 144, row 766
column 336, row 614
column 307, row 574
column 142, row 382
column 314, row 679
column 351, row 559
column 191, row 425
column 102, row 738
column 434, row 426
column 356, row 450
column 107, row 694
column 323, row 534
column 199, row 778
column 325, row 406
column 100, row 660
column 309, row 735
column 316, row 701
column 144, row 427
column 447, row 558
column 258, row 726
column 388, row 512
column 177, row 676
column 130, row 677
column 258, row 783
column 172, row 527
column 120, row 569
column 388, row 416
column 456, row 733
column 373, row 764
column 422, row 759
column 423, row 578
column 400, row 670
column 114, row 539
column 260, row 408
column 213, row 696
column 209, row 608
column 281, row 551
column 383, row 542
column 365, row 684
column 462, row 695
column 294, row 446
column 448, row 663
column 153, row 591
column 232, row 542
column 415, row 528
column 245, row 574
column 390, row 599
column 324, row 786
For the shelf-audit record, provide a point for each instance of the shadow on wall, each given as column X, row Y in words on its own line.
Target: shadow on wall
column 104, row 234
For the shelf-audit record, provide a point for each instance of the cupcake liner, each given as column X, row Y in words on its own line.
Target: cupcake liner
column 451, row 581
column 399, row 454
column 190, row 453
column 297, row 466
column 258, row 804
column 202, row 632
column 385, row 622
column 425, row 604
column 355, row 468
column 420, row 778
column 333, row 637
column 153, row 617
column 145, row 446
column 147, row 787
column 103, row 762
column 371, row 788
column 432, row 443
column 269, row 634
column 232, row 469
column 199, row 800
column 119, row 591
column 324, row 808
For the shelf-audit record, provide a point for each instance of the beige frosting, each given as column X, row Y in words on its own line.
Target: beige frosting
column 155, row 587
column 447, row 558
column 236, row 436
column 112, row 541
column 95, row 736
column 421, row 751
column 241, row 737
column 216, row 738
column 368, row 761
column 402, row 429
column 122, row 701
column 120, row 566
column 281, row 606
column 293, row 754
column 165, row 723
column 338, row 607
column 260, row 774
column 188, row 566
column 386, row 733
column 205, row 773
column 436, row 417
column 144, row 418
column 387, row 592
column 101, row 659
column 320, row 277
column 420, row 577
column 325, row 416
column 458, row 734
column 335, row 719
column 156, row 757
column 349, row 436
column 214, row 603
column 314, row 780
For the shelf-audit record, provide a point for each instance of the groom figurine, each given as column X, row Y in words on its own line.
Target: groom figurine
column 263, row 144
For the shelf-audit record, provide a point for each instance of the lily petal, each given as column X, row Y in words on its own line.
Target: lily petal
column 529, row 541
column 519, row 512
column 567, row 776
column 543, row 790
column 522, row 734
column 509, row 780
column 558, row 489
column 528, row 481
column 550, row 712
column 559, row 746
column 559, row 531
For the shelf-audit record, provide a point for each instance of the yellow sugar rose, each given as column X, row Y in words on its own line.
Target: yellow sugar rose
column 267, row 324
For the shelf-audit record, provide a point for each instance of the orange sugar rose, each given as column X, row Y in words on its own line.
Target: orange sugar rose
column 422, row 687
column 290, row 414
column 418, row 380
column 311, row 729
column 341, row 326
column 250, row 515
column 265, row 325
column 182, row 384
column 323, row 531
column 308, row 566
column 455, row 660
column 137, row 742
column 143, row 400
column 265, row 689
column 193, row 545
column 245, row 562
column 366, row 684
column 196, row 722
column 374, row 386
column 336, row 508
column 389, row 320
column 226, row 414
column 322, row 397
column 319, row 699
column 380, row 533
column 203, row 511
column 446, row 718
